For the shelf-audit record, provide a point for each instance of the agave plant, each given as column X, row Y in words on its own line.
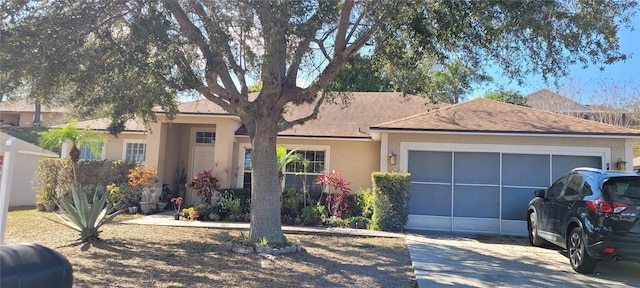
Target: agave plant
column 84, row 218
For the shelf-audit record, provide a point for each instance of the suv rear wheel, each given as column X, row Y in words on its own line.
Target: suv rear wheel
column 581, row 262
column 534, row 239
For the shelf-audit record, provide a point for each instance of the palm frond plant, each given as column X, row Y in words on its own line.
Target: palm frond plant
column 76, row 137
column 84, row 217
column 284, row 158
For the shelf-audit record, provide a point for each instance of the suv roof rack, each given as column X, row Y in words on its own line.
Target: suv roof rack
column 590, row 169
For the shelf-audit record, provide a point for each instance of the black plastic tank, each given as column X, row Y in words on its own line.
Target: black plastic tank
column 33, row 265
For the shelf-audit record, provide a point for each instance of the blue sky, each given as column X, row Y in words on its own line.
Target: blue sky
column 622, row 72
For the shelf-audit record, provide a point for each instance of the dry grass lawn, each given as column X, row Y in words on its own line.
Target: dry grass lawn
column 160, row 256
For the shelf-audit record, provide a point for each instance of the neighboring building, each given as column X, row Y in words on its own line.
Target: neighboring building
column 474, row 165
column 26, row 163
column 21, row 113
column 547, row 100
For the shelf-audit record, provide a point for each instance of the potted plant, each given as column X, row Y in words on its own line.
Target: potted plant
column 181, row 180
column 143, row 178
column 129, row 197
column 205, row 185
column 310, row 215
column 177, row 202
column 359, row 222
column 164, row 198
column 233, row 206
column 47, row 197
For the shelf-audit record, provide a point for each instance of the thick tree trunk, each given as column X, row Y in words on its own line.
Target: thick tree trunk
column 265, row 201
column 36, row 115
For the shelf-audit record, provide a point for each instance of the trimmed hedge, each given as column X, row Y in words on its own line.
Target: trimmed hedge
column 391, row 198
column 55, row 173
column 98, row 173
column 58, row 174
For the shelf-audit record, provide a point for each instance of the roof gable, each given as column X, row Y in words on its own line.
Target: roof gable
column 547, row 100
column 132, row 125
column 23, row 105
column 488, row 116
column 26, row 147
column 353, row 121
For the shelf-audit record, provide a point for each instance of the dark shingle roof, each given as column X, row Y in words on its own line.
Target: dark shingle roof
column 487, row 116
column 354, row 120
column 550, row 101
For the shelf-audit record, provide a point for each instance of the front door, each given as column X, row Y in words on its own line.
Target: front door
column 202, row 158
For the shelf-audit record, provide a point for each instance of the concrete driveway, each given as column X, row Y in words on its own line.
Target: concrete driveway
column 445, row 259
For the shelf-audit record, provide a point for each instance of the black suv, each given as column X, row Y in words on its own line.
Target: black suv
column 592, row 213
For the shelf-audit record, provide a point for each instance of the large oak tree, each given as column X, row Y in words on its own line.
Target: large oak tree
column 121, row 58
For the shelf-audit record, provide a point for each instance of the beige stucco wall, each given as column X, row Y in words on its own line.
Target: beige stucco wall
column 115, row 146
column 25, row 167
column 25, row 119
column 169, row 143
column 618, row 147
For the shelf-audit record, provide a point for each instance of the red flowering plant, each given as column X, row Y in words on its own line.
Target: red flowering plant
column 205, row 184
column 337, row 202
column 177, row 201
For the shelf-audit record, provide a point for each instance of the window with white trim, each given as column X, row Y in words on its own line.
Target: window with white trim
column 86, row 154
column 246, row 180
column 205, row 137
column 135, row 151
column 298, row 174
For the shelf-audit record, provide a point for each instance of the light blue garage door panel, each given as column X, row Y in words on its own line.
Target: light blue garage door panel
column 481, row 186
column 430, row 199
column 431, row 167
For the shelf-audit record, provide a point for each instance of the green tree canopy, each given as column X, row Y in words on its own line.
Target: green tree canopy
column 512, row 97
column 360, row 74
column 122, row 58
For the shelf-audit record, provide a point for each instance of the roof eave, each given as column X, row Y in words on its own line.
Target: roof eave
column 505, row 133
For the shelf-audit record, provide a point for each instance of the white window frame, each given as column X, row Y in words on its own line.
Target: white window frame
column 244, row 146
column 132, row 141
column 194, row 130
column 103, row 147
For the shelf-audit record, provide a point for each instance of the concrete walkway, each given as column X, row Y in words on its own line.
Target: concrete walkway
column 447, row 259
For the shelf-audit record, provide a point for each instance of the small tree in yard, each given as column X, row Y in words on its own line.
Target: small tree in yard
column 283, row 158
column 125, row 58
column 75, row 137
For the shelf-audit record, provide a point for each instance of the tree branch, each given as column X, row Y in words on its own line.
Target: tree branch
column 312, row 26
column 214, row 29
column 308, row 94
column 284, row 124
column 341, row 42
column 214, row 61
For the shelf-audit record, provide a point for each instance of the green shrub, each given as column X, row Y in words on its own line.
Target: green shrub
column 292, row 202
column 58, row 174
column 53, row 175
column 238, row 193
column 310, row 213
column 364, row 203
column 233, row 206
column 390, row 206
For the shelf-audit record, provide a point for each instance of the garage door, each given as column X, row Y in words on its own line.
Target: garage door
column 481, row 191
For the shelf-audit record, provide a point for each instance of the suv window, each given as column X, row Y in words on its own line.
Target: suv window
column 556, row 189
column 622, row 186
column 586, row 189
column 573, row 188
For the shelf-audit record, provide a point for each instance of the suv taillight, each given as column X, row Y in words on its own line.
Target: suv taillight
column 606, row 207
